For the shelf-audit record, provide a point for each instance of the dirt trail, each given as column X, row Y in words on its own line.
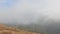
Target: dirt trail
column 12, row 30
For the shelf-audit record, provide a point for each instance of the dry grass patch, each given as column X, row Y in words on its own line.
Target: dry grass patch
column 12, row 30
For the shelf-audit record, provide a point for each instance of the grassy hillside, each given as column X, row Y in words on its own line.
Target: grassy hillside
column 13, row 30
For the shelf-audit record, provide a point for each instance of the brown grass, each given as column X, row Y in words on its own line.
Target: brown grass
column 12, row 30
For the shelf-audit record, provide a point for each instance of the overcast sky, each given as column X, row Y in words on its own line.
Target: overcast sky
column 28, row 10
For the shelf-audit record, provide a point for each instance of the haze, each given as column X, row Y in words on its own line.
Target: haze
column 25, row 10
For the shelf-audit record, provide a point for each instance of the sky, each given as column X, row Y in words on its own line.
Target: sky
column 26, row 11
column 54, row 8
